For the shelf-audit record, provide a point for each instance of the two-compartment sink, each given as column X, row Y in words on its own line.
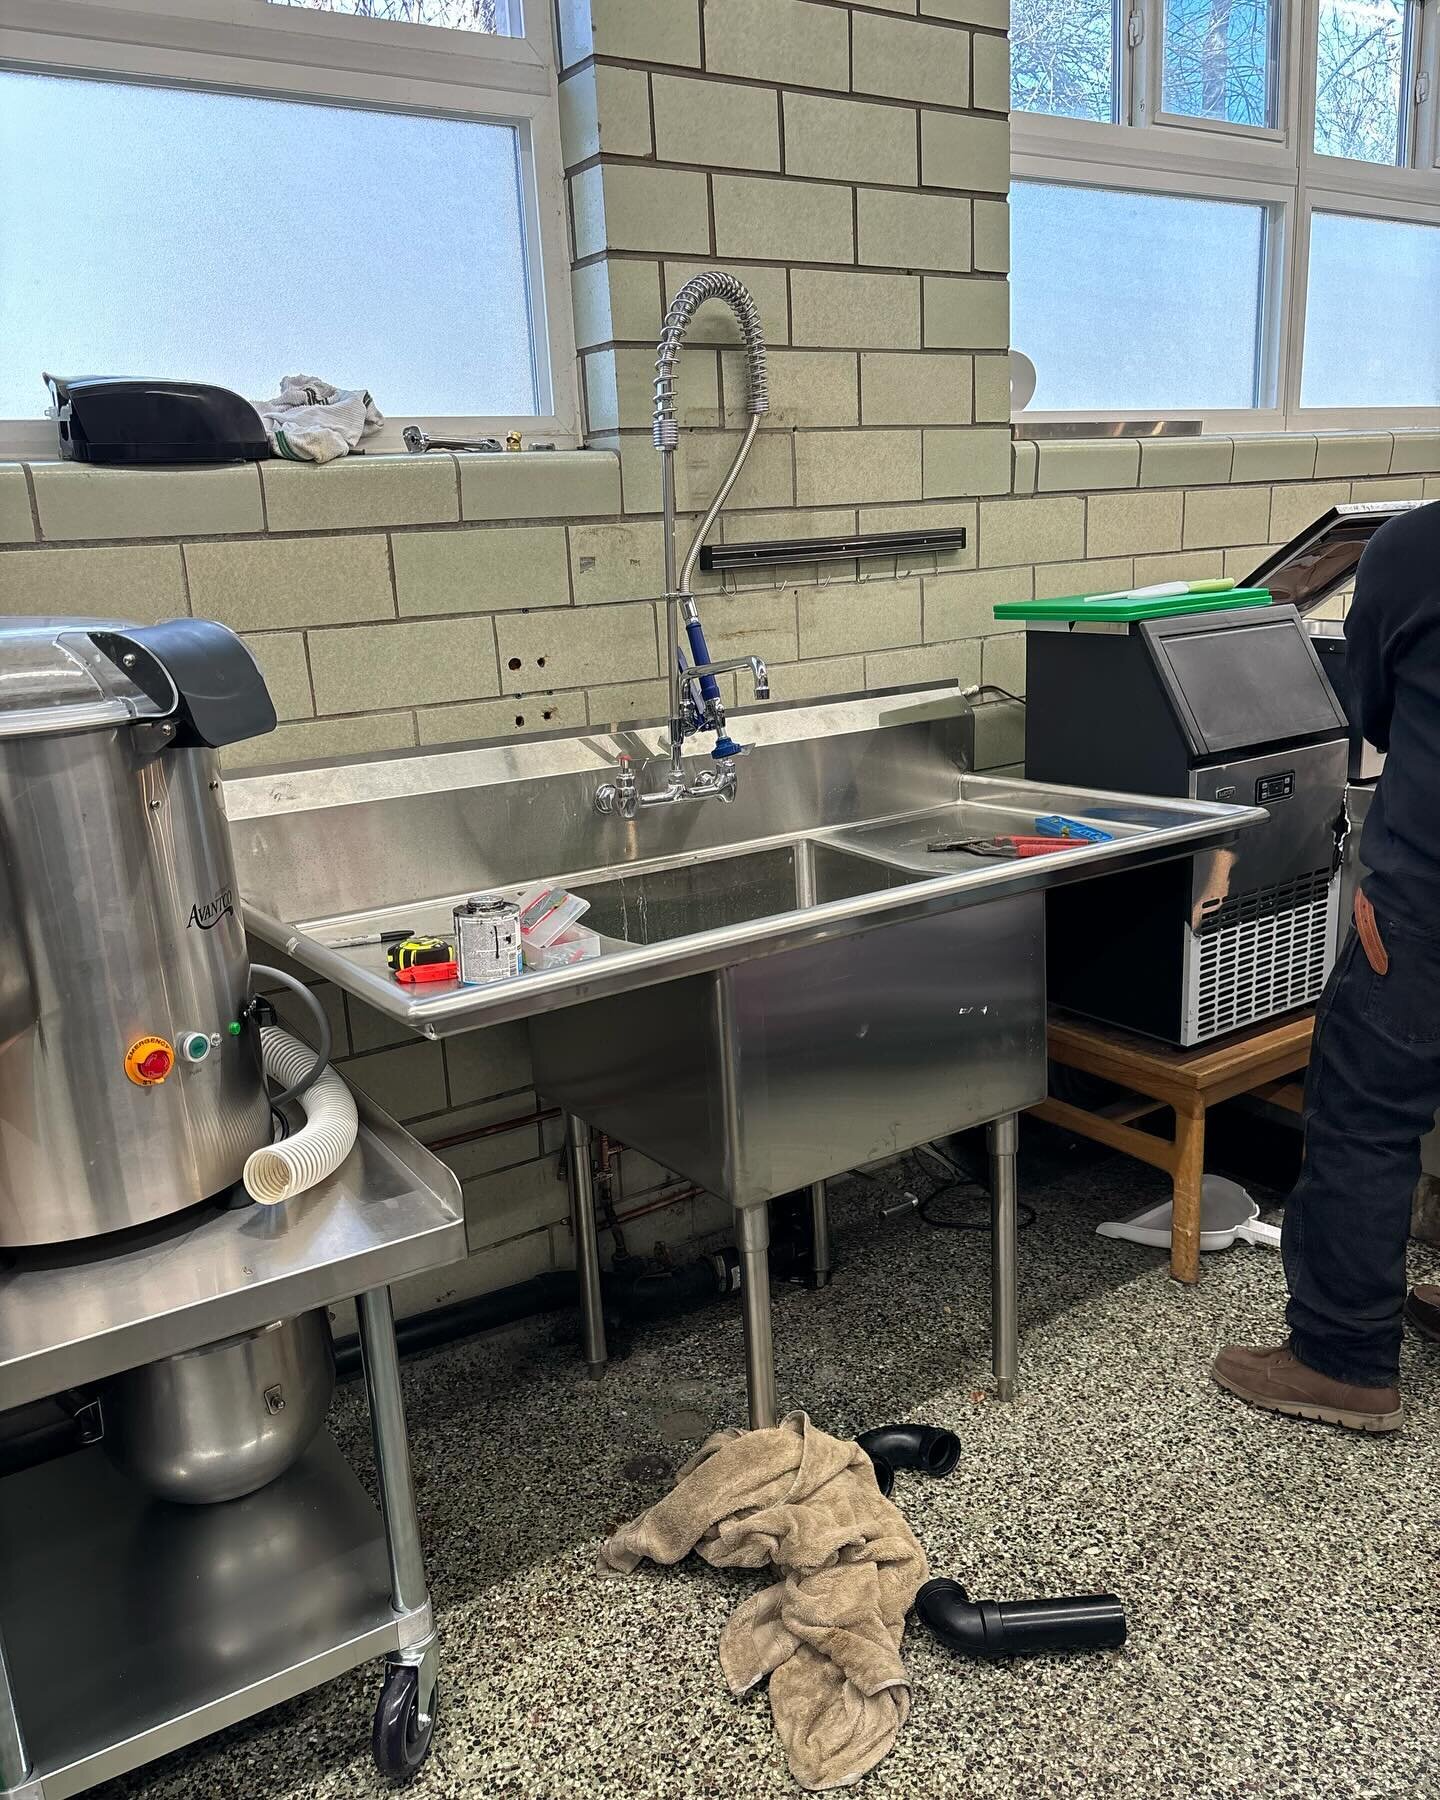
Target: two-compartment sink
column 790, row 985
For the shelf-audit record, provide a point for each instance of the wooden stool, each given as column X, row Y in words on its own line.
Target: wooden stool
column 1189, row 1082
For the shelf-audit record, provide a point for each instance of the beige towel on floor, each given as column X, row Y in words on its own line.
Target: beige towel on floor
column 828, row 1633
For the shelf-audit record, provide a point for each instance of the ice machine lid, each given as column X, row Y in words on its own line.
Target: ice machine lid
column 55, row 678
column 1324, row 556
column 1243, row 680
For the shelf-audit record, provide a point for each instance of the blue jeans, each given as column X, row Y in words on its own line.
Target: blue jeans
column 1371, row 1095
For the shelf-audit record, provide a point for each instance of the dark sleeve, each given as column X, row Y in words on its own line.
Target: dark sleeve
column 1375, row 625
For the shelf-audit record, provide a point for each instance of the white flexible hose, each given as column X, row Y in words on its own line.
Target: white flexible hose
column 317, row 1149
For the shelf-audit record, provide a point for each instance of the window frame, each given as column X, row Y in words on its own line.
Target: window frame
column 370, row 64
column 1279, row 167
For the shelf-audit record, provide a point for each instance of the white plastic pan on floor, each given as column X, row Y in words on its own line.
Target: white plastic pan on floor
column 1226, row 1213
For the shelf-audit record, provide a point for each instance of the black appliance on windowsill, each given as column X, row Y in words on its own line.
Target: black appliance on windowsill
column 129, row 421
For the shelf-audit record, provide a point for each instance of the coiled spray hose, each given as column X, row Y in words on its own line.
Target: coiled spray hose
column 281, row 1171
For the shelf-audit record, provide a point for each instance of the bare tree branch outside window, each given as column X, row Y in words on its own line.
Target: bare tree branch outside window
column 1217, row 60
column 1358, row 79
column 457, row 15
column 1062, row 58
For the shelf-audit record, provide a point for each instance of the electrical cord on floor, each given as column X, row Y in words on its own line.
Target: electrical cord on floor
column 960, row 1179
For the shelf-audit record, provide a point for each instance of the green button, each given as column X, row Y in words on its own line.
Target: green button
column 235, row 1028
column 198, row 1048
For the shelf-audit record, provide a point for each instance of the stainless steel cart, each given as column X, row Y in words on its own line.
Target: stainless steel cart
column 129, row 1627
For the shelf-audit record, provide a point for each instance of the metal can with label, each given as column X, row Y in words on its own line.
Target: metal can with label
column 487, row 939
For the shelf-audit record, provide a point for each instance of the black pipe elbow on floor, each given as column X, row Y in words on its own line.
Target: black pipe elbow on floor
column 925, row 1447
column 884, row 1473
column 996, row 1628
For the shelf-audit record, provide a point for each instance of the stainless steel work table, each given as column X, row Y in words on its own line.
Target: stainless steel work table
column 133, row 1626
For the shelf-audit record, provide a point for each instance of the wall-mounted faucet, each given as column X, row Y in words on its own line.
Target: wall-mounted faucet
column 695, row 703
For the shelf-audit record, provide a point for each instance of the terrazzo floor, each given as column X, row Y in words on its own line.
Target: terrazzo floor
column 1280, row 1578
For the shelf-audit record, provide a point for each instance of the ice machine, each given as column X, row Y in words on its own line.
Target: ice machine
column 1226, row 704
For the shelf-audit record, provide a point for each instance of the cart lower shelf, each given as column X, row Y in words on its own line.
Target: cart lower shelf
column 143, row 1626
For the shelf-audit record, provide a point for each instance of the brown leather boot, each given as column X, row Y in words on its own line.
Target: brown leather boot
column 1422, row 1310
column 1277, row 1380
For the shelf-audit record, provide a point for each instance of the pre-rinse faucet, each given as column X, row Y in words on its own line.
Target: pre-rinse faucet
column 695, row 703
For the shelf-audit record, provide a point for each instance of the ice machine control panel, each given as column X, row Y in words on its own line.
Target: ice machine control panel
column 1270, row 788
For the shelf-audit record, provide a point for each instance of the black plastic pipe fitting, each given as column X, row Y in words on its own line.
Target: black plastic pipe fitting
column 996, row 1628
column 884, row 1473
column 925, row 1447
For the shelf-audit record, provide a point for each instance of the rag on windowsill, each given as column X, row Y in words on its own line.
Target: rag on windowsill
column 311, row 421
column 828, row 1632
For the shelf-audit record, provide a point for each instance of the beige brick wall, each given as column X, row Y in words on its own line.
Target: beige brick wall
column 850, row 164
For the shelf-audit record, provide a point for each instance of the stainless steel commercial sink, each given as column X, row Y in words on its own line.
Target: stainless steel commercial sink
column 845, row 794
column 790, row 985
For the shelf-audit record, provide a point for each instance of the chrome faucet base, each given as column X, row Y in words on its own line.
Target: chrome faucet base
column 623, row 795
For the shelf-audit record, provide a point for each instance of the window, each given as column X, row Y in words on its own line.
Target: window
column 1228, row 209
column 1219, row 60
column 399, row 233
column 450, row 15
column 1360, row 80
column 1387, row 274
column 1112, row 255
column 1065, row 58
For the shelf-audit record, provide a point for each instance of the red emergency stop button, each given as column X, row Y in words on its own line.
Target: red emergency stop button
column 149, row 1060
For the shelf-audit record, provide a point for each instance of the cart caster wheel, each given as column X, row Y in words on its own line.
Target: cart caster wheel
column 401, row 1739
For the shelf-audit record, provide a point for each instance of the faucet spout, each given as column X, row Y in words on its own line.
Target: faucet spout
column 755, row 664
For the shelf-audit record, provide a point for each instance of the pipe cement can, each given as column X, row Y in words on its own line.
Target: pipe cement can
column 487, row 939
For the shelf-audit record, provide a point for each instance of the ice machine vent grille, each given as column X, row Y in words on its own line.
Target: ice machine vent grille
column 1262, row 953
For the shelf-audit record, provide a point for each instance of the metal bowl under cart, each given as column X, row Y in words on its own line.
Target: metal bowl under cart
column 130, row 1627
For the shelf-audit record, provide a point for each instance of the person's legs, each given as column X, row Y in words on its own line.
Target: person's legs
column 1372, row 1094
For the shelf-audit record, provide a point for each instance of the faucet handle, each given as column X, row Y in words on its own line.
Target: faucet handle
column 622, row 795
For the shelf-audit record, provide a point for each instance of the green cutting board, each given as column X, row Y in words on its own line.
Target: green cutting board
column 1076, row 607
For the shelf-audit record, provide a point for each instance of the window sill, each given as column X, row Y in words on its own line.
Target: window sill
column 1059, row 466
column 70, row 503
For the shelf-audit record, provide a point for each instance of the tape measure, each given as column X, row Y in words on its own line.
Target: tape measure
column 417, row 952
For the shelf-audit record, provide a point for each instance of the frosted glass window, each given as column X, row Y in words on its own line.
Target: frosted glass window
column 455, row 15
column 1370, row 336
column 1359, row 79
column 214, row 237
column 1131, row 302
column 1218, row 60
column 1063, row 58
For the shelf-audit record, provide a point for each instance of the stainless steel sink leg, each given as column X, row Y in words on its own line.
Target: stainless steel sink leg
column 587, row 1244
column 1004, row 1272
column 381, row 1363
column 820, row 1264
column 752, row 1233
column 14, row 1758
